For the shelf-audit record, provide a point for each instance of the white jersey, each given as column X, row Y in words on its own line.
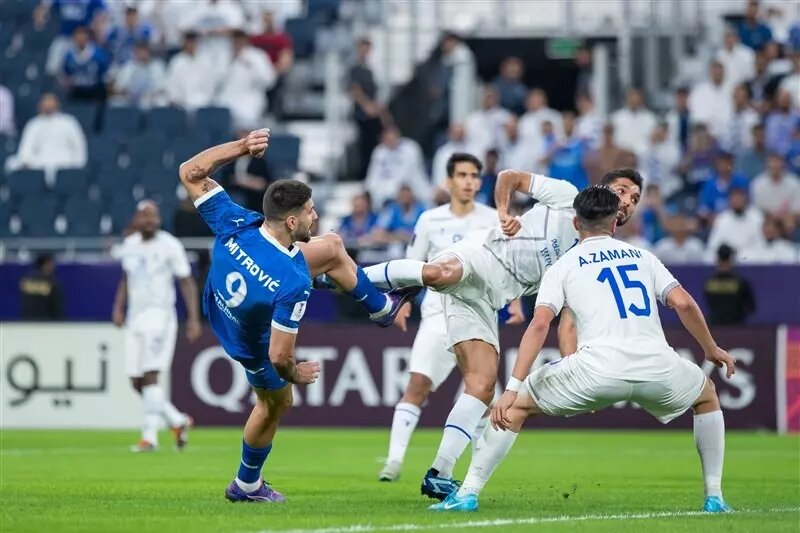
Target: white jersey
column 151, row 267
column 612, row 289
column 438, row 229
column 547, row 233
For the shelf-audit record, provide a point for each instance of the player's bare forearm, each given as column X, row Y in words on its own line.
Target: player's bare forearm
column 691, row 317
column 122, row 293
column 195, row 172
column 532, row 342
column 189, row 293
column 509, row 182
column 567, row 334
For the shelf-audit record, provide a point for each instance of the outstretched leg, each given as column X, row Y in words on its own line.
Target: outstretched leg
column 442, row 272
column 709, row 437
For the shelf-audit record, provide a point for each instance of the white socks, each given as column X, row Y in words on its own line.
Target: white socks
column 406, row 416
column 156, row 407
column 396, row 274
column 458, row 431
column 477, row 437
column 709, row 436
column 248, row 487
column 494, row 448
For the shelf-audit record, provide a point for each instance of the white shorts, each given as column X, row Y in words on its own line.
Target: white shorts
column 471, row 305
column 567, row 387
column 150, row 342
column 429, row 354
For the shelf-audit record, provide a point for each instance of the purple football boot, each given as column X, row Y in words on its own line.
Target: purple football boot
column 264, row 494
column 397, row 297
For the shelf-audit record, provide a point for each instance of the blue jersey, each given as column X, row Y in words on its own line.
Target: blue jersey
column 255, row 284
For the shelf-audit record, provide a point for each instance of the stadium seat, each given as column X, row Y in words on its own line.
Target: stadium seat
column 168, row 209
column 283, row 155
column 86, row 114
column 113, row 181
column 5, row 217
column 214, row 120
column 83, row 217
column 159, row 183
column 170, row 121
column 147, row 150
column 121, row 210
column 26, row 183
column 121, row 122
column 323, row 12
column 302, row 32
column 38, row 215
column 185, row 147
column 103, row 152
column 72, row 181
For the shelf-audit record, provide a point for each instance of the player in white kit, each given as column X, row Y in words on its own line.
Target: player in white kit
column 431, row 361
column 151, row 260
column 613, row 290
column 477, row 277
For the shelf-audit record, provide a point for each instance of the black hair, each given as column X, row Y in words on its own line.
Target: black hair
column 462, row 157
column 595, row 206
column 283, row 197
column 618, row 173
column 42, row 259
column 725, row 253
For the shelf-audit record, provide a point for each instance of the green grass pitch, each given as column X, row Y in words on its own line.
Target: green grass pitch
column 64, row 481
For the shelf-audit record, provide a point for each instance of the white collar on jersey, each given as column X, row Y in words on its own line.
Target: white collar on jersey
column 272, row 240
column 596, row 238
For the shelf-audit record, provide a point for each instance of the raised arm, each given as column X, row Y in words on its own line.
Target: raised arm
column 692, row 319
column 509, row 182
column 195, row 172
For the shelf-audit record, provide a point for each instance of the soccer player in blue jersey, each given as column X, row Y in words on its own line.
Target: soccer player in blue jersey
column 257, row 289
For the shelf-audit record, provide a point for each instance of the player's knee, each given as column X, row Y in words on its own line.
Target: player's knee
column 334, row 243
column 481, row 387
column 436, row 274
column 418, row 389
column 277, row 407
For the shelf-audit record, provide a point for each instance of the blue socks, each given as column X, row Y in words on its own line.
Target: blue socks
column 252, row 461
column 365, row 293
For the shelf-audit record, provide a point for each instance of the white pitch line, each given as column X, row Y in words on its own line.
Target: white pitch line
column 369, row 528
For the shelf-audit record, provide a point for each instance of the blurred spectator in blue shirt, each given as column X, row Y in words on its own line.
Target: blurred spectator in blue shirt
column 85, row 70
column 780, row 124
column 489, row 179
column 751, row 162
column 753, row 32
column 397, row 220
column 72, row 14
column 361, row 221
column 714, row 192
column 794, row 37
column 697, row 166
column 566, row 159
column 653, row 214
column 123, row 37
column 793, row 157
column 512, row 91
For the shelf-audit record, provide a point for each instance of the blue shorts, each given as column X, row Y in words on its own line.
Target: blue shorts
column 261, row 374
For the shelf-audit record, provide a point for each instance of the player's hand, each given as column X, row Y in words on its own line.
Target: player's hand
column 306, row 372
column 515, row 313
column 510, row 225
column 499, row 416
column 401, row 319
column 721, row 358
column 256, row 142
column 118, row 317
column 193, row 330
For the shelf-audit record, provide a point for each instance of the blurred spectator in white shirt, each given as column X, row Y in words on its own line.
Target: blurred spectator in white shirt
column 459, row 61
column 394, row 162
column 680, row 124
column 774, row 249
column 50, row 141
column 281, row 9
column 590, row 124
column 245, row 83
column 634, row 123
column 743, row 118
column 659, row 161
column 516, row 154
column 170, row 19
column 739, row 226
column 141, row 82
column 777, row 192
column 530, row 124
column 739, row 60
column 191, row 79
column 456, row 142
column 681, row 247
column 509, row 85
column 7, row 124
column 711, row 101
column 791, row 83
column 214, row 21
column 632, row 234
column 485, row 125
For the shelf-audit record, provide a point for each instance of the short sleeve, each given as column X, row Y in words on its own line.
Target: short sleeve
column 663, row 280
column 222, row 215
column 289, row 310
column 551, row 290
column 420, row 243
column 555, row 193
column 178, row 261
